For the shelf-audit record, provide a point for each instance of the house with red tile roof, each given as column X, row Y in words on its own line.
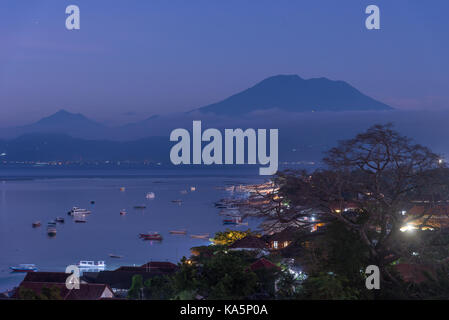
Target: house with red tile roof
column 249, row 243
column 86, row 291
column 415, row 273
column 263, row 263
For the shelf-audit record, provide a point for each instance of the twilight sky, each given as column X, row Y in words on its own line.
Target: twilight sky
column 135, row 58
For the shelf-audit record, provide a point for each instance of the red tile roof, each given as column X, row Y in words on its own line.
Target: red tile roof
column 249, row 242
column 87, row 291
column 263, row 263
column 414, row 272
column 439, row 210
column 60, row 277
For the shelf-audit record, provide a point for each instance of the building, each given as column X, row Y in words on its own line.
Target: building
column 415, row 273
column 432, row 217
column 120, row 280
column 86, row 291
column 282, row 239
column 263, row 263
column 250, row 243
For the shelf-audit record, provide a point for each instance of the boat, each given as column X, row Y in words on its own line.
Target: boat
column 79, row 217
column 182, row 232
column 92, row 202
column 24, row 268
column 36, row 224
column 140, row 207
column 123, row 212
column 230, row 223
column 150, row 195
column 151, row 236
column 91, row 265
column 51, row 229
column 177, row 201
column 236, row 220
column 200, row 236
column 76, row 210
column 115, row 256
column 60, row 220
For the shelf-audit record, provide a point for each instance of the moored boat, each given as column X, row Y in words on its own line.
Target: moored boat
column 60, row 220
column 235, row 220
column 76, row 210
column 140, row 207
column 150, row 195
column 115, row 256
column 151, row 236
column 51, row 231
column 200, row 236
column 36, row 224
column 123, row 212
column 181, row 232
column 91, row 265
column 24, row 268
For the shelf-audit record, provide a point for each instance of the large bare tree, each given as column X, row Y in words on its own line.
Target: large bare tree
column 368, row 183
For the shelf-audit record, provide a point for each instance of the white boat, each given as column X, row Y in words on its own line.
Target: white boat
column 150, row 195
column 76, row 210
column 79, row 217
column 91, row 265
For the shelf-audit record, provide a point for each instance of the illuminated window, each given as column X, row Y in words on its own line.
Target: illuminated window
column 275, row 244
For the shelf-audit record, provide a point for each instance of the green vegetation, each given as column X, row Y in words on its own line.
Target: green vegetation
column 52, row 293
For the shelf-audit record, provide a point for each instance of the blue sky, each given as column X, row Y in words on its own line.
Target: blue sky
column 132, row 59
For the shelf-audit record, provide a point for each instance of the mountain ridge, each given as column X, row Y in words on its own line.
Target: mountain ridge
column 295, row 94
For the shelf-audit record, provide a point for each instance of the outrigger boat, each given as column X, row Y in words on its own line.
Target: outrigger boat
column 76, row 210
column 24, row 268
column 199, row 236
column 151, row 236
column 36, row 224
column 182, row 232
column 91, row 265
column 79, row 218
column 51, row 229
column 150, row 195
column 236, row 220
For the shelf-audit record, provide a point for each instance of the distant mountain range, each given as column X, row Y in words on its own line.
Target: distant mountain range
column 286, row 102
column 293, row 94
column 284, row 93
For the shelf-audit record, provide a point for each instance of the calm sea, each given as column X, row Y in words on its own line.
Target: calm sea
column 28, row 195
